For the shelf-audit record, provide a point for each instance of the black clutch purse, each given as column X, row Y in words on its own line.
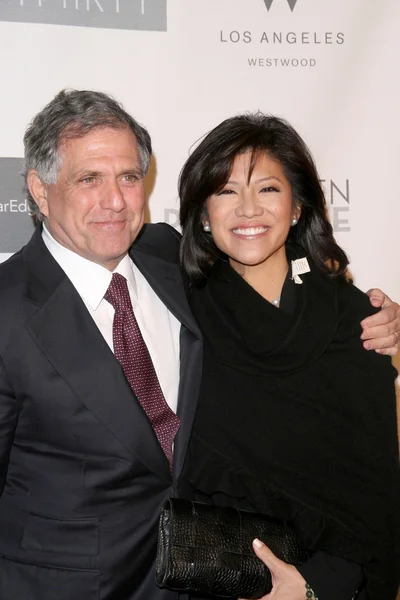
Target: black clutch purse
column 208, row 549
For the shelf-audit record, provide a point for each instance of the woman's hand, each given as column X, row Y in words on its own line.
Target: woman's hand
column 381, row 332
column 287, row 583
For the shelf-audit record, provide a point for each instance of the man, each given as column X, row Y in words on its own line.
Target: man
column 100, row 364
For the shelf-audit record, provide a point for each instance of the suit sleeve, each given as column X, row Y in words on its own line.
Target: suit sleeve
column 8, row 421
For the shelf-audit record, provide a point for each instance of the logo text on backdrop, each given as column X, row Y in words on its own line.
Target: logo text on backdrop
column 16, row 224
column 281, row 47
column 292, row 4
column 148, row 15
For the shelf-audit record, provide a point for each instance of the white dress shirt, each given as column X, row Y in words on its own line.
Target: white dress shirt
column 159, row 328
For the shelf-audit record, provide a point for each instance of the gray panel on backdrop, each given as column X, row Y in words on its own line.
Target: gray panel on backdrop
column 16, row 225
column 148, row 15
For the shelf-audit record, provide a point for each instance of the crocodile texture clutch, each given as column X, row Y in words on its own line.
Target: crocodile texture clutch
column 208, row 549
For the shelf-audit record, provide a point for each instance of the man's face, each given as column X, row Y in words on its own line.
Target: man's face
column 96, row 208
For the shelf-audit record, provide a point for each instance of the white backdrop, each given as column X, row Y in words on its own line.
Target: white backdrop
column 181, row 66
column 329, row 66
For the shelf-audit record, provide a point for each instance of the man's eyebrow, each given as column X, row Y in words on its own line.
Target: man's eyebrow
column 81, row 174
column 132, row 171
column 86, row 173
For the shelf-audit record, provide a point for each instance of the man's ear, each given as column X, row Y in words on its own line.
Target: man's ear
column 38, row 191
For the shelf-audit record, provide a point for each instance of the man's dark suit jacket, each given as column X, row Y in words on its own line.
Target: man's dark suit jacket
column 82, row 476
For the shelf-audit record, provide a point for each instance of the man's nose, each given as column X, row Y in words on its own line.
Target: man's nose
column 112, row 197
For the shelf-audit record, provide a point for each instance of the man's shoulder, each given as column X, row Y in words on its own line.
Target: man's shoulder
column 11, row 270
column 12, row 289
column 159, row 239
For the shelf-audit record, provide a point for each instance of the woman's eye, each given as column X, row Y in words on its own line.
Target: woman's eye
column 270, row 188
column 225, row 192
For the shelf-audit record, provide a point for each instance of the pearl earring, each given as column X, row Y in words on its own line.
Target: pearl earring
column 294, row 221
column 206, row 227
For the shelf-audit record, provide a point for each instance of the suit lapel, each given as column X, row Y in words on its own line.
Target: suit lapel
column 71, row 341
column 191, row 355
column 166, row 280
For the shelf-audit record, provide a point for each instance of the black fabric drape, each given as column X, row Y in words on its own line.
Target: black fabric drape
column 297, row 420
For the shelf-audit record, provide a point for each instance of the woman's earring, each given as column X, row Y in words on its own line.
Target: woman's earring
column 294, row 221
column 206, row 227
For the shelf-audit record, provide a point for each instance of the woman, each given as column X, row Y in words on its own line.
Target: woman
column 294, row 418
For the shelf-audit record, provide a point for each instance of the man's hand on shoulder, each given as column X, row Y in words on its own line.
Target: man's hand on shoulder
column 381, row 332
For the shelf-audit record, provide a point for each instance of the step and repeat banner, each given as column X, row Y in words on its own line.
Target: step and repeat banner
column 331, row 67
column 181, row 66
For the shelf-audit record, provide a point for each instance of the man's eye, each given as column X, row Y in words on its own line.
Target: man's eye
column 130, row 178
column 88, row 180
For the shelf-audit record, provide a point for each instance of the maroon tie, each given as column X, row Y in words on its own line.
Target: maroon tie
column 131, row 351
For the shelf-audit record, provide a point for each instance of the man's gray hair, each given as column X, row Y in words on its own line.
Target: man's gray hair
column 73, row 114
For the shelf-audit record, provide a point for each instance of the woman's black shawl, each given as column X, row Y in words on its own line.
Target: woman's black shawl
column 296, row 419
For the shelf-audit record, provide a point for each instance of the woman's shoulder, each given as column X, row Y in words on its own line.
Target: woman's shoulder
column 353, row 304
column 340, row 307
column 353, row 307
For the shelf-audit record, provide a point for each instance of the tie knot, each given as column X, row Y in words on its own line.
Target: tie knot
column 117, row 293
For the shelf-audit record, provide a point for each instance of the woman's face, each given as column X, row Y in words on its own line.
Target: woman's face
column 250, row 220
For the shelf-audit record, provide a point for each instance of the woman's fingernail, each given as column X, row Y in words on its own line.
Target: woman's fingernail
column 257, row 543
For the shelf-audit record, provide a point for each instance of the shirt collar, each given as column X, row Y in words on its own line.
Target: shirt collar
column 89, row 279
